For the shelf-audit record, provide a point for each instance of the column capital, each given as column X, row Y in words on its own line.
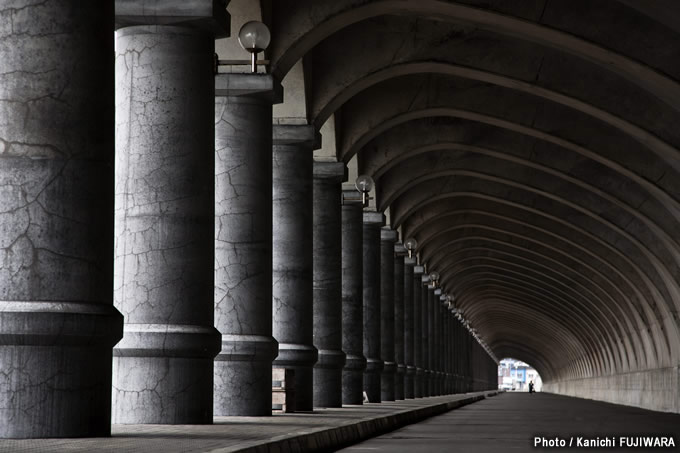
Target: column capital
column 387, row 234
column 438, row 292
column 294, row 134
column 410, row 262
column 399, row 249
column 418, row 270
column 263, row 86
column 374, row 218
column 351, row 197
column 425, row 279
column 208, row 15
column 331, row 172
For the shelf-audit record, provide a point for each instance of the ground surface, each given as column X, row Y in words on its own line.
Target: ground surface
column 510, row 421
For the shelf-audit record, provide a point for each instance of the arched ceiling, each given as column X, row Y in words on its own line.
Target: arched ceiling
column 530, row 147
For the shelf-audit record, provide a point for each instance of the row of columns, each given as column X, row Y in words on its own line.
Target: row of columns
column 232, row 250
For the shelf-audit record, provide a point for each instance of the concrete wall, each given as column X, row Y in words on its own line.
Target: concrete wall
column 657, row 389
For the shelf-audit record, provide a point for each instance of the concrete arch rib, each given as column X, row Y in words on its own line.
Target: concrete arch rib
column 669, row 153
column 313, row 21
column 484, row 237
column 554, row 291
column 565, row 346
column 555, row 202
column 627, row 272
column 583, row 302
column 386, row 120
column 441, row 162
column 474, row 302
column 563, row 246
column 460, row 249
column 663, row 332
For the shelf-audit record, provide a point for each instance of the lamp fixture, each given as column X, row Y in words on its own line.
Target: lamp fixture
column 254, row 37
column 410, row 245
column 364, row 184
column 434, row 278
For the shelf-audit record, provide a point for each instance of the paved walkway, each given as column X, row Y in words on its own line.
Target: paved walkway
column 510, row 421
column 321, row 430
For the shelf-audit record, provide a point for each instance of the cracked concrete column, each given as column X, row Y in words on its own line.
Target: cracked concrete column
column 409, row 338
column 387, row 239
column 447, row 347
column 352, row 298
column 419, row 382
column 243, row 242
column 164, row 216
column 372, row 224
column 431, row 343
column 436, row 343
column 57, row 320
column 292, row 260
column 327, row 262
column 425, row 333
column 399, row 252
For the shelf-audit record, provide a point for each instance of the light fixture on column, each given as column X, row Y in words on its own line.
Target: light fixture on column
column 364, row 184
column 410, row 245
column 434, row 278
column 254, row 37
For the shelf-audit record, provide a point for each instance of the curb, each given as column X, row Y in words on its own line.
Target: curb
column 329, row 439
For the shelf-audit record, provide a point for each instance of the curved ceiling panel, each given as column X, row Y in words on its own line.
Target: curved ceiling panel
column 531, row 148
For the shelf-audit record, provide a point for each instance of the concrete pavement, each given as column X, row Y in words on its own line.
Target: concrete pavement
column 511, row 422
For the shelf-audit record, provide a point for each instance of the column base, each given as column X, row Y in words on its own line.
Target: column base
column 353, row 380
column 419, row 383
column 301, row 359
column 328, row 378
column 55, row 359
column 387, row 381
column 399, row 381
column 163, row 374
column 372, row 378
column 409, row 382
column 243, row 375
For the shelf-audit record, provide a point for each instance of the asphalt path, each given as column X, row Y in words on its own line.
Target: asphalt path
column 516, row 421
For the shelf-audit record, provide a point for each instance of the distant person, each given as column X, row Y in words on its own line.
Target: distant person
column 531, row 386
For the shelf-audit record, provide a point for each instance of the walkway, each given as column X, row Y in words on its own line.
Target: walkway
column 280, row 433
column 509, row 423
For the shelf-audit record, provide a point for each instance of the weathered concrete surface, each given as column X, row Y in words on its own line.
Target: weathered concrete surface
column 409, row 332
column 511, row 421
column 292, row 322
column 327, row 283
column 372, row 223
column 243, row 243
column 352, row 299
column 324, row 430
column 164, row 226
column 399, row 252
column 657, row 390
column 387, row 239
column 57, row 322
column 418, row 356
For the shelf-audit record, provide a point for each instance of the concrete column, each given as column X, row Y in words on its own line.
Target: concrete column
column 327, row 283
column 431, row 335
column 449, row 351
column 418, row 357
column 292, row 256
column 373, row 221
column 425, row 335
column 399, row 252
column 57, row 320
column 387, row 239
column 409, row 317
column 436, row 341
column 352, row 299
column 243, row 244
column 164, row 216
